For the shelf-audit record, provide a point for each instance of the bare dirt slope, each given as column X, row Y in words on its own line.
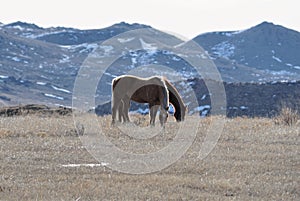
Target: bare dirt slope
column 255, row 159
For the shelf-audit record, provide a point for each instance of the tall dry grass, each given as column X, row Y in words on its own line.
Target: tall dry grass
column 254, row 159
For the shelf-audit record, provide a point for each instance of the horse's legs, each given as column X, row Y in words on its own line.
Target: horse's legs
column 120, row 110
column 126, row 106
column 153, row 112
column 115, row 106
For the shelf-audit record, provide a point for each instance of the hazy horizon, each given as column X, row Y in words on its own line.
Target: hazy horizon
column 185, row 18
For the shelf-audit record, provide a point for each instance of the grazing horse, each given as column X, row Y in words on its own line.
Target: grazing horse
column 152, row 90
column 176, row 100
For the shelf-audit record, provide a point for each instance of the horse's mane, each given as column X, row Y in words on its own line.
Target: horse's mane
column 176, row 100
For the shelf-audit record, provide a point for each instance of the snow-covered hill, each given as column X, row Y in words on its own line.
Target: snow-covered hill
column 39, row 65
column 262, row 53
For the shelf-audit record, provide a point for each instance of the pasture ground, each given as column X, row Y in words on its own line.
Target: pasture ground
column 254, row 159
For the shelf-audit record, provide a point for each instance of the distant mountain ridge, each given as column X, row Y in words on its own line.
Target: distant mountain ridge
column 265, row 48
column 69, row 36
column 39, row 65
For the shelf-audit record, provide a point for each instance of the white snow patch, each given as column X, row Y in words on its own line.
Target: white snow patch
column 141, row 111
column 176, row 59
column 280, row 73
column 224, row 49
column 60, row 89
column 33, row 36
column 107, row 49
column 133, row 60
column 229, row 34
column 297, row 67
column 243, row 108
column 277, row 59
column 17, row 27
column 54, row 96
column 41, row 83
column 204, row 109
column 125, row 40
column 201, row 108
column 102, row 164
column 65, row 59
column 16, row 59
column 86, row 46
column 4, row 76
column 150, row 48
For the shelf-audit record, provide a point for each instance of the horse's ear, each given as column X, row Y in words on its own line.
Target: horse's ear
column 186, row 107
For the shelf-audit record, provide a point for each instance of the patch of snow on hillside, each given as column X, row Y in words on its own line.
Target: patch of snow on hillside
column 17, row 27
column 86, row 46
column 107, row 49
column 41, row 83
column 65, row 59
column 203, row 109
column 4, row 77
column 277, row 59
column 141, row 111
column 148, row 47
column 53, row 96
column 224, row 49
column 60, row 89
column 34, row 36
column 243, row 108
column 232, row 33
column 176, row 58
column 125, row 40
column 280, row 73
column 297, row 67
column 16, row 59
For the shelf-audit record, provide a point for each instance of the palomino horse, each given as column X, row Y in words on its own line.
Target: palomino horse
column 177, row 102
column 152, row 90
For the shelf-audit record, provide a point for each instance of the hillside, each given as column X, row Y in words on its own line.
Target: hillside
column 40, row 65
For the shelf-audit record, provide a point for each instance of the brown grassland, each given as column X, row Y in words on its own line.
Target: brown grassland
column 254, row 159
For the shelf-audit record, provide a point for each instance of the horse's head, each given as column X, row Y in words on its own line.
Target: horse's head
column 180, row 113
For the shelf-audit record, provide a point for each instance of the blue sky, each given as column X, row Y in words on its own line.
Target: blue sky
column 182, row 17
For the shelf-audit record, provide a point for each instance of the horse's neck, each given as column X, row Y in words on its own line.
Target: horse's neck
column 175, row 97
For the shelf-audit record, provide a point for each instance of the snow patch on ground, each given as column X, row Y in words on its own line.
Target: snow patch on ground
column 102, row 164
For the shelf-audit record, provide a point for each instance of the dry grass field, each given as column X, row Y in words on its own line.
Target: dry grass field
column 254, row 159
